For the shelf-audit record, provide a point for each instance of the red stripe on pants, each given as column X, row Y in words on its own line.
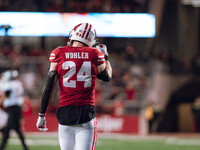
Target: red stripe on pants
column 95, row 134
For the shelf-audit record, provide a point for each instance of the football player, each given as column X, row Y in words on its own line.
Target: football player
column 77, row 66
column 12, row 99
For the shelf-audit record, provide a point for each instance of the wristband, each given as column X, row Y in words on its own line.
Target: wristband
column 41, row 115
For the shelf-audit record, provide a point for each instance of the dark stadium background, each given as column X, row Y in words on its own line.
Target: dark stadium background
column 160, row 73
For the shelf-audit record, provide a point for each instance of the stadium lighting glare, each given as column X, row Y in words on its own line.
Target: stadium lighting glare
column 194, row 3
column 59, row 24
column 6, row 27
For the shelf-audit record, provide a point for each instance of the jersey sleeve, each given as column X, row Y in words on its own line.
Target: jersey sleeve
column 99, row 58
column 54, row 55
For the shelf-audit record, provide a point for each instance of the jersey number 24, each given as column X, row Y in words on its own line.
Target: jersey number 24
column 84, row 74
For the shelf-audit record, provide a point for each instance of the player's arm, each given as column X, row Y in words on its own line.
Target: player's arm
column 46, row 96
column 109, row 68
column 2, row 98
column 105, row 69
column 48, row 88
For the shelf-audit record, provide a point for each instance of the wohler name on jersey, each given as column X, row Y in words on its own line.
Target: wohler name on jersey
column 78, row 55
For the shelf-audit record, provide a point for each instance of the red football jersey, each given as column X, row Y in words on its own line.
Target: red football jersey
column 77, row 71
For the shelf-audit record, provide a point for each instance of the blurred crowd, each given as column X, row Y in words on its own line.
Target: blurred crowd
column 32, row 62
column 133, row 64
column 80, row 6
column 127, row 83
column 132, row 71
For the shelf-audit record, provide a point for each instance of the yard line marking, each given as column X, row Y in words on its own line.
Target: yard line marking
column 35, row 142
column 183, row 141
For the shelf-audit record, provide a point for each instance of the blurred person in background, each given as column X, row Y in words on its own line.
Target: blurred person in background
column 152, row 114
column 3, row 118
column 27, row 108
column 149, row 116
column 12, row 100
column 3, row 115
column 196, row 113
column 77, row 66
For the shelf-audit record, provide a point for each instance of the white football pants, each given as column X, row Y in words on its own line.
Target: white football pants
column 78, row 137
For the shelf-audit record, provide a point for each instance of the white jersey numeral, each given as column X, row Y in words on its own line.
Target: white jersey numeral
column 84, row 74
column 72, row 70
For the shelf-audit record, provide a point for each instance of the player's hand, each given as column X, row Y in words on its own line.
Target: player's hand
column 41, row 123
column 103, row 49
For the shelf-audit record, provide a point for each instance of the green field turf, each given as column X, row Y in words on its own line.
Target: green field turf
column 115, row 143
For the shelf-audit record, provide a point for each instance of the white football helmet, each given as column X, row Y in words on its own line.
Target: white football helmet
column 8, row 75
column 83, row 32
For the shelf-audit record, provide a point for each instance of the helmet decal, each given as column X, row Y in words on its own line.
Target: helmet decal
column 75, row 28
column 88, row 32
column 85, row 30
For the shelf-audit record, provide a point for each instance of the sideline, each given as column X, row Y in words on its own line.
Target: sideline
column 51, row 138
column 124, row 135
